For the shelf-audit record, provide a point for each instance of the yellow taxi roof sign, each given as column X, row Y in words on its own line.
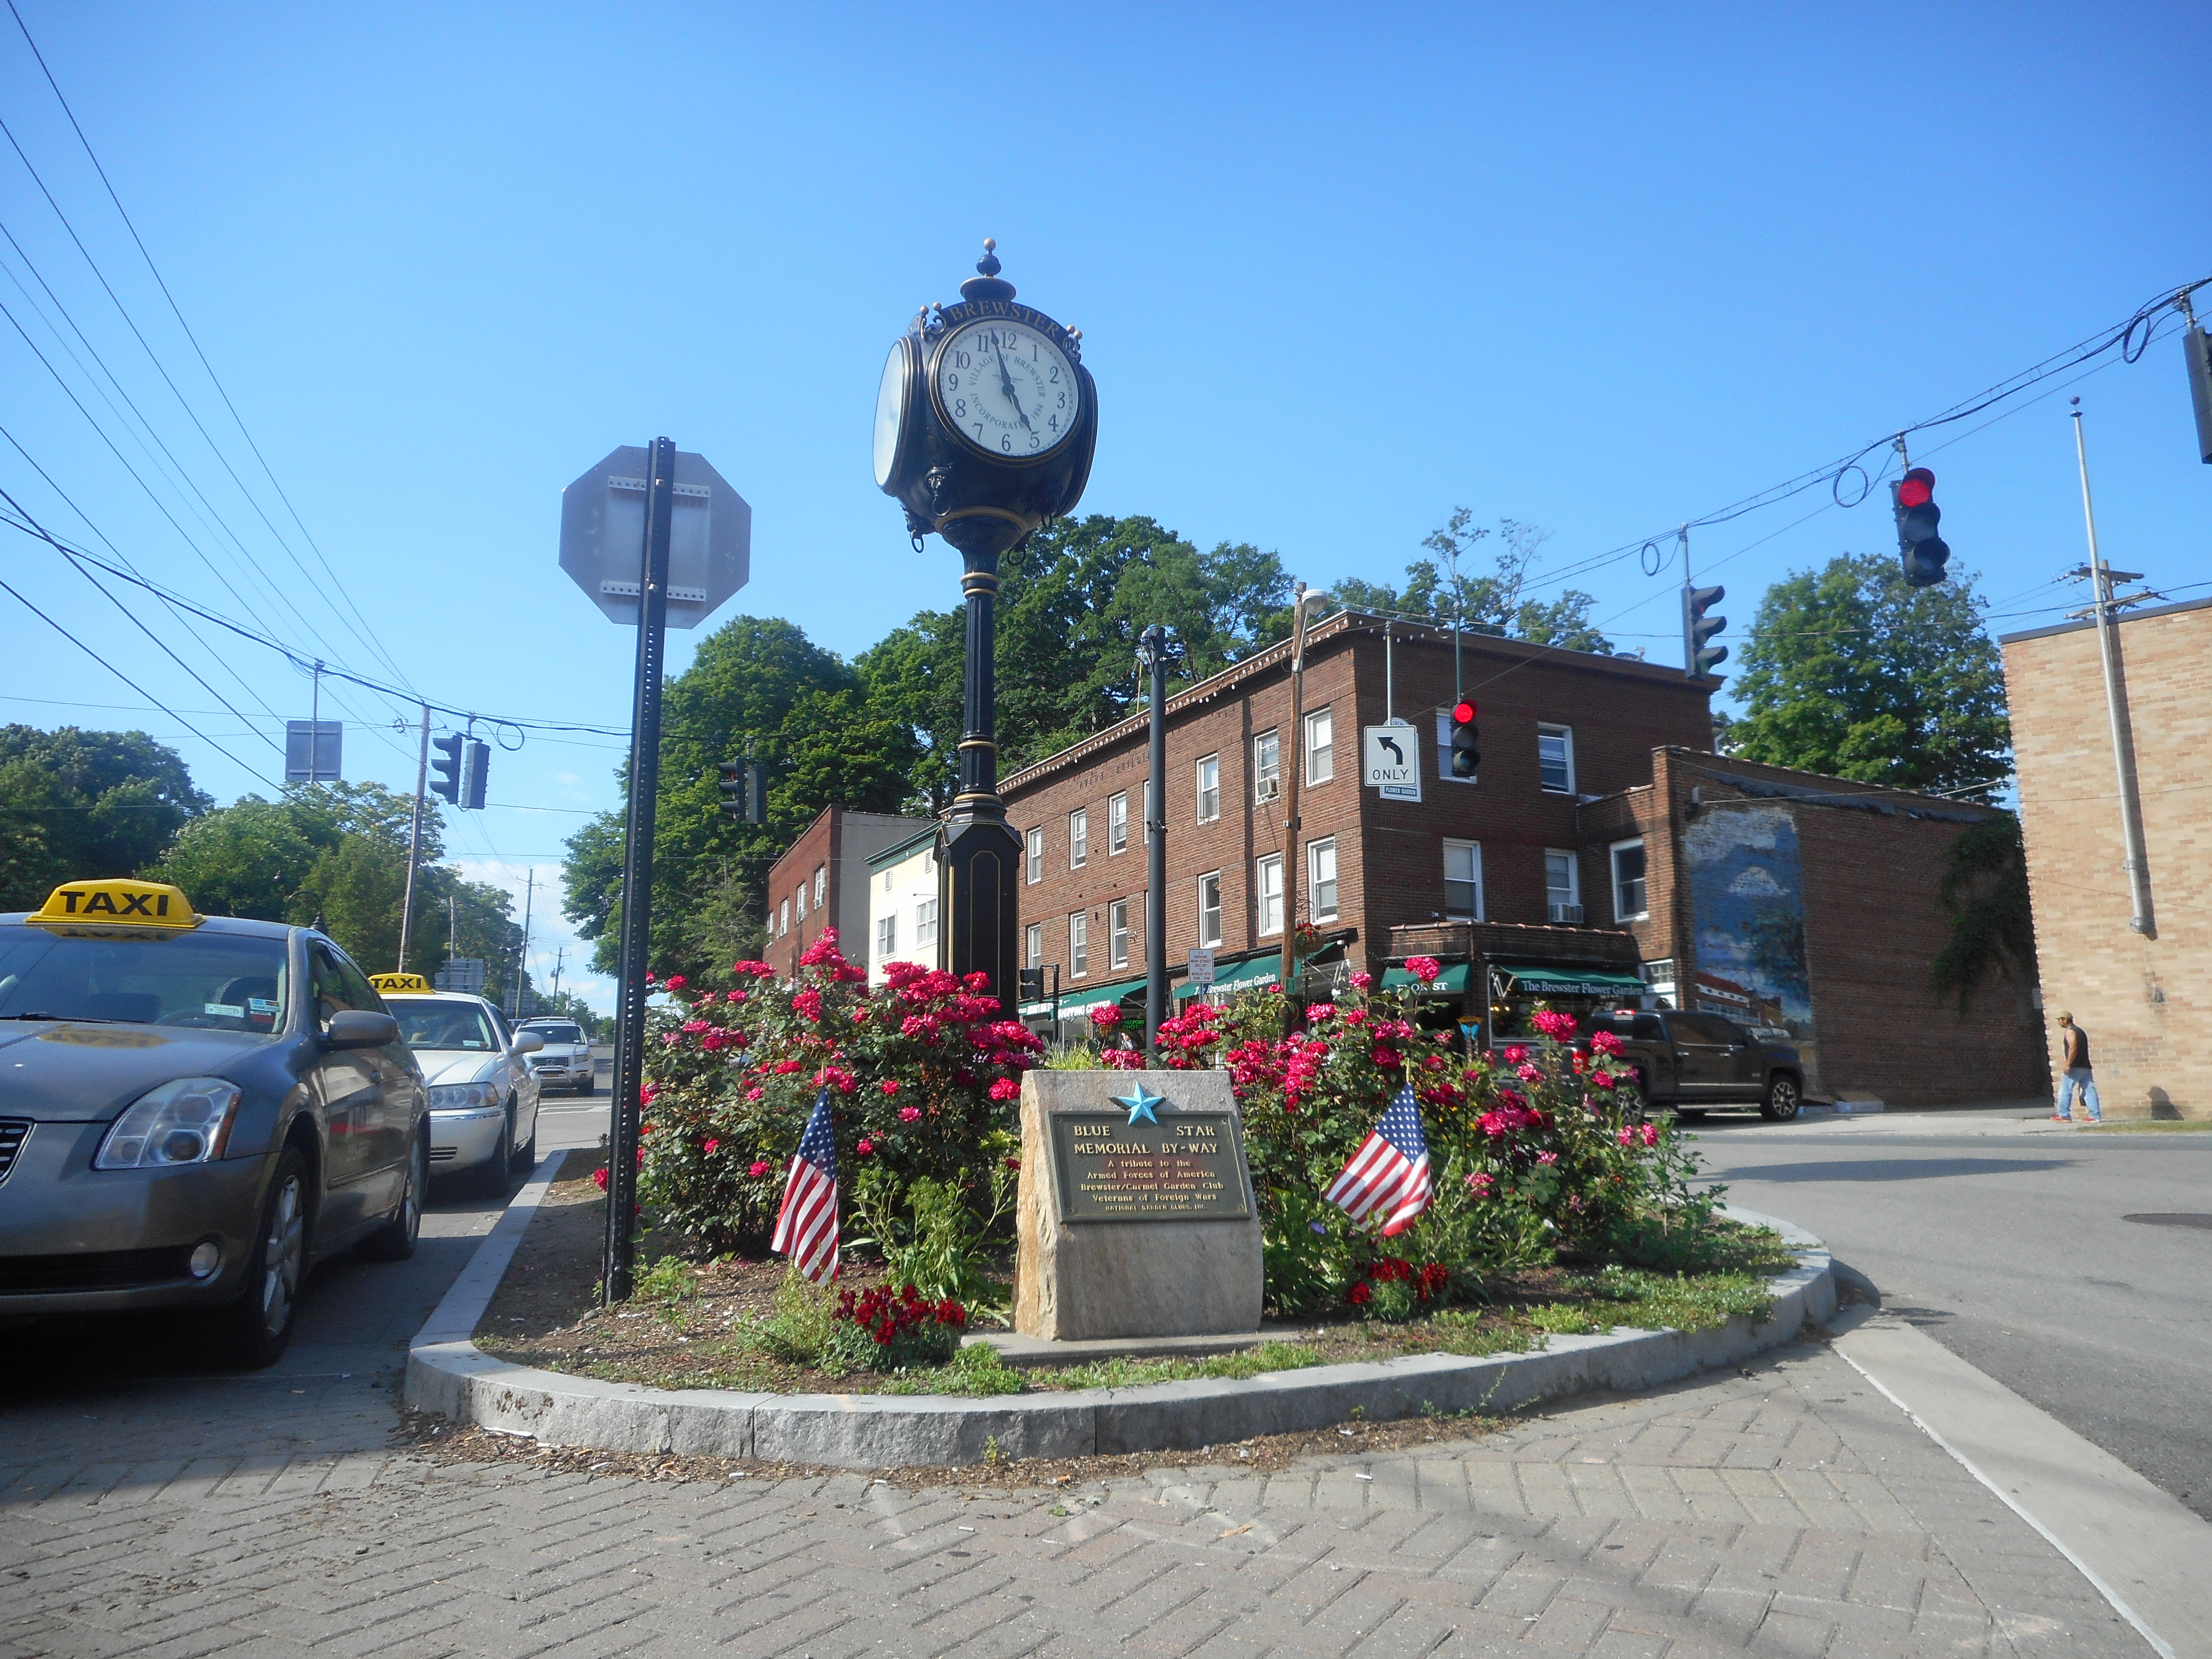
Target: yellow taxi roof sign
column 396, row 983
column 116, row 902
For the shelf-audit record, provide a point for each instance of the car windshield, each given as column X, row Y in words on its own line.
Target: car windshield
column 555, row 1032
column 427, row 1022
column 215, row 982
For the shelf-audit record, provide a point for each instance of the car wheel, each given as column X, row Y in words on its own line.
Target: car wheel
column 1628, row 1096
column 252, row 1332
column 526, row 1155
column 1782, row 1099
column 492, row 1173
column 395, row 1240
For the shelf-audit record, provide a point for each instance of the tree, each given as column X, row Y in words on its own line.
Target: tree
column 1497, row 604
column 76, row 804
column 1984, row 887
column 1850, row 671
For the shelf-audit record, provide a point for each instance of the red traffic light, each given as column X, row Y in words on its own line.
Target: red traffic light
column 1916, row 488
column 1462, row 713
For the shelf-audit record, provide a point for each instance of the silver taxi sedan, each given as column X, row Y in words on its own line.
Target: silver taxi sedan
column 194, row 1110
column 484, row 1094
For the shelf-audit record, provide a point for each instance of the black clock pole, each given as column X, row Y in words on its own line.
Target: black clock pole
column 982, row 854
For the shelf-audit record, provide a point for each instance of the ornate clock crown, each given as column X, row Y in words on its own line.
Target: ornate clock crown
column 989, row 285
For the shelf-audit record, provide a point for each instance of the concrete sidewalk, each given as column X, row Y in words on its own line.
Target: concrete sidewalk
column 1788, row 1510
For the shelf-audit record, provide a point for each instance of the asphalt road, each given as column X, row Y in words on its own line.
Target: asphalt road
column 2012, row 1247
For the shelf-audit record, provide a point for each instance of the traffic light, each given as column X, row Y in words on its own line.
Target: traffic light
column 744, row 790
column 476, row 762
column 2198, row 348
column 1466, row 758
column 1913, row 498
column 1700, row 657
column 1028, row 984
column 447, row 766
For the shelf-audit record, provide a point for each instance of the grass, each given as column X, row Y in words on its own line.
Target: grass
column 2150, row 1126
column 1651, row 1302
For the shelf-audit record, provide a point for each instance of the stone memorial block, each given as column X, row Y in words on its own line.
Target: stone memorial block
column 1136, row 1211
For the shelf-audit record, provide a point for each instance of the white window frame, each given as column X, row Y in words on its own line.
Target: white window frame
column 1078, row 945
column 1032, row 855
column 802, row 902
column 1268, row 866
column 783, row 919
column 1117, row 823
column 1574, row 877
column 886, row 936
column 1613, row 852
column 1033, row 945
column 1209, row 934
column 1317, row 852
column 1266, row 760
column 1321, row 749
column 1474, row 849
column 1566, row 737
column 1117, row 933
column 1078, row 838
column 1444, row 752
column 925, row 922
column 1207, row 776
column 821, row 884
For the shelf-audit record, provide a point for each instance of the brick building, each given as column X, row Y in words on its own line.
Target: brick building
column 2141, row 997
column 1591, row 863
column 822, row 881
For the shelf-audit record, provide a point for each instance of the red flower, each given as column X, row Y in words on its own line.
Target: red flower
column 909, row 1113
column 707, row 1146
column 760, row 1168
column 1106, row 1015
column 1359, row 1293
column 891, row 1086
column 1362, row 982
column 1423, row 969
column 865, row 1147
column 1005, row 1088
column 676, row 981
column 600, row 1178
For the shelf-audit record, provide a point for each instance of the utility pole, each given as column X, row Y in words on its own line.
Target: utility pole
column 558, row 956
column 522, row 955
column 415, row 842
column 2102, row 577
column 452, row 928
column 1152, row 655
column 1293, row 765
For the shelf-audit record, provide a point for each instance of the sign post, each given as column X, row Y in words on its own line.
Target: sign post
column 631, row 528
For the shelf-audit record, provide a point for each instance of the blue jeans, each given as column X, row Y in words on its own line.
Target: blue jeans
column 2078, row 1081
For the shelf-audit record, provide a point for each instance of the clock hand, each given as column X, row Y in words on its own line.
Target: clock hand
column 1006, row 385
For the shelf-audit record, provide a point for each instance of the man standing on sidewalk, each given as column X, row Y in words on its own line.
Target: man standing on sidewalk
column 2075, row 1075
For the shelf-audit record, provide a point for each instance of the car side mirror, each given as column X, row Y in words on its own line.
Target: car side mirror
column 360, row 1028
column 528, row 1042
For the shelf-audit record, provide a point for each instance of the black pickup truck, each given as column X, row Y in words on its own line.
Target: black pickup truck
column 1689, row 1062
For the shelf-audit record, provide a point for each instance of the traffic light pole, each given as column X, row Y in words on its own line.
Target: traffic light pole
column 1291, row 768
column 414, row 843
column 1153, row 654
column 617, row 1278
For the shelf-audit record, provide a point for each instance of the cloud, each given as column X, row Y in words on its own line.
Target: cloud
column 1754, row 882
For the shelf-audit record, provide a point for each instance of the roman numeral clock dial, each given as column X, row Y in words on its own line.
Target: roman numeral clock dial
column 1006, row 389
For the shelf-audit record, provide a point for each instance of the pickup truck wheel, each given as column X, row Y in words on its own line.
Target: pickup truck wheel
column 1782, row 1099
column 1628, row 1096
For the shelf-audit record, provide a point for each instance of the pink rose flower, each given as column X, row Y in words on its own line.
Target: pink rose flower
column 909, row 1113
column 760, row 1168
column 1362, row 982
column 1005, row 1088
column 1423, row 969
column 864, row 1148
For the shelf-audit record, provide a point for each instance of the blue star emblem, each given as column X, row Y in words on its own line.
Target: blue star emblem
column 1140, row 1104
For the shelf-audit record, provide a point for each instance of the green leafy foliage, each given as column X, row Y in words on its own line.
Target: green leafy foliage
column 1850, row 671
column 76, row 804
column 929, row 1236
column 1497, row 604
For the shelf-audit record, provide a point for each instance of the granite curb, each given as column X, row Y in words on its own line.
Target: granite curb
column 447, row 1374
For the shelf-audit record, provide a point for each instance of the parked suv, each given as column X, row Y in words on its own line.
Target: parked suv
column 565, row 1060
column 1688, row 1062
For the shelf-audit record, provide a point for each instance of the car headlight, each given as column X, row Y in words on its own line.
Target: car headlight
column 459, row 1097
column 187, row 1122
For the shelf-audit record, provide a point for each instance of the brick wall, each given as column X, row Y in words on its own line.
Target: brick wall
column 839, row 843
column 2142, row 1000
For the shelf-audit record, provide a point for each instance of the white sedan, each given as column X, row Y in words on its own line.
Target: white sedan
column 484, row 1096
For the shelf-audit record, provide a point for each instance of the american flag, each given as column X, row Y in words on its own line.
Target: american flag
column 806, row 1226
column 1390, row 1171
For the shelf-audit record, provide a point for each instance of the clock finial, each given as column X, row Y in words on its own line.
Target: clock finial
column 989, row 285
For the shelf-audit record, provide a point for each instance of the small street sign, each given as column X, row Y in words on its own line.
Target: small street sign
column 603, row 537
column 313, row 751
column 1391, row 762
column 463, row 974
column 1202, row 967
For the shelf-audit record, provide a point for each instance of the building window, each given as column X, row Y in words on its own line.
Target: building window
column 1033, row 945
column 1267, row 889
column 1659, row 977
column 1079, row 839
column 1209, row 910
column 1078, row 945
column 1320, row 878
column 802, row 903
column 783, row 918
column 925, row 922
column 1034, row 861
column 821, row 884
column 1563, row 897
column 1444, row 749
column 886, row 937
column 1117, row 823
column 1629, row 903
column 1555, row 758
column 1321, row 746
column 1267, row 766
column 1209, row 789
column 1462, row 881
column 1117, row 933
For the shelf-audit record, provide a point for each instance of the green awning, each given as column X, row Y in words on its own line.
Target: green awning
column 1535, row 980
column 1451, row 982
column 1229, row 975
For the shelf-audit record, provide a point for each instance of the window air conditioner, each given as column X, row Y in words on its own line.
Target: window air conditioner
column 1567, row 913
column 1268, row 788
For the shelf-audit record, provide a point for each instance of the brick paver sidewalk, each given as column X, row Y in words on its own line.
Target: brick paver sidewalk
column 1790, row 1511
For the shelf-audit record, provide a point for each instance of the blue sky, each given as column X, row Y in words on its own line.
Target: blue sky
column 1603, row 268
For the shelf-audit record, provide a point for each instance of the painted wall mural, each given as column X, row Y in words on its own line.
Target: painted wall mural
column 1747, row 916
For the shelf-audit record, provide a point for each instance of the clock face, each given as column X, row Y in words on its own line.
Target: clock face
column 1007, row 389
column 891, row 413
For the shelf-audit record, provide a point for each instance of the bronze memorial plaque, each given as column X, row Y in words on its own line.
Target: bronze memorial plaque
column 1163, row 1162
